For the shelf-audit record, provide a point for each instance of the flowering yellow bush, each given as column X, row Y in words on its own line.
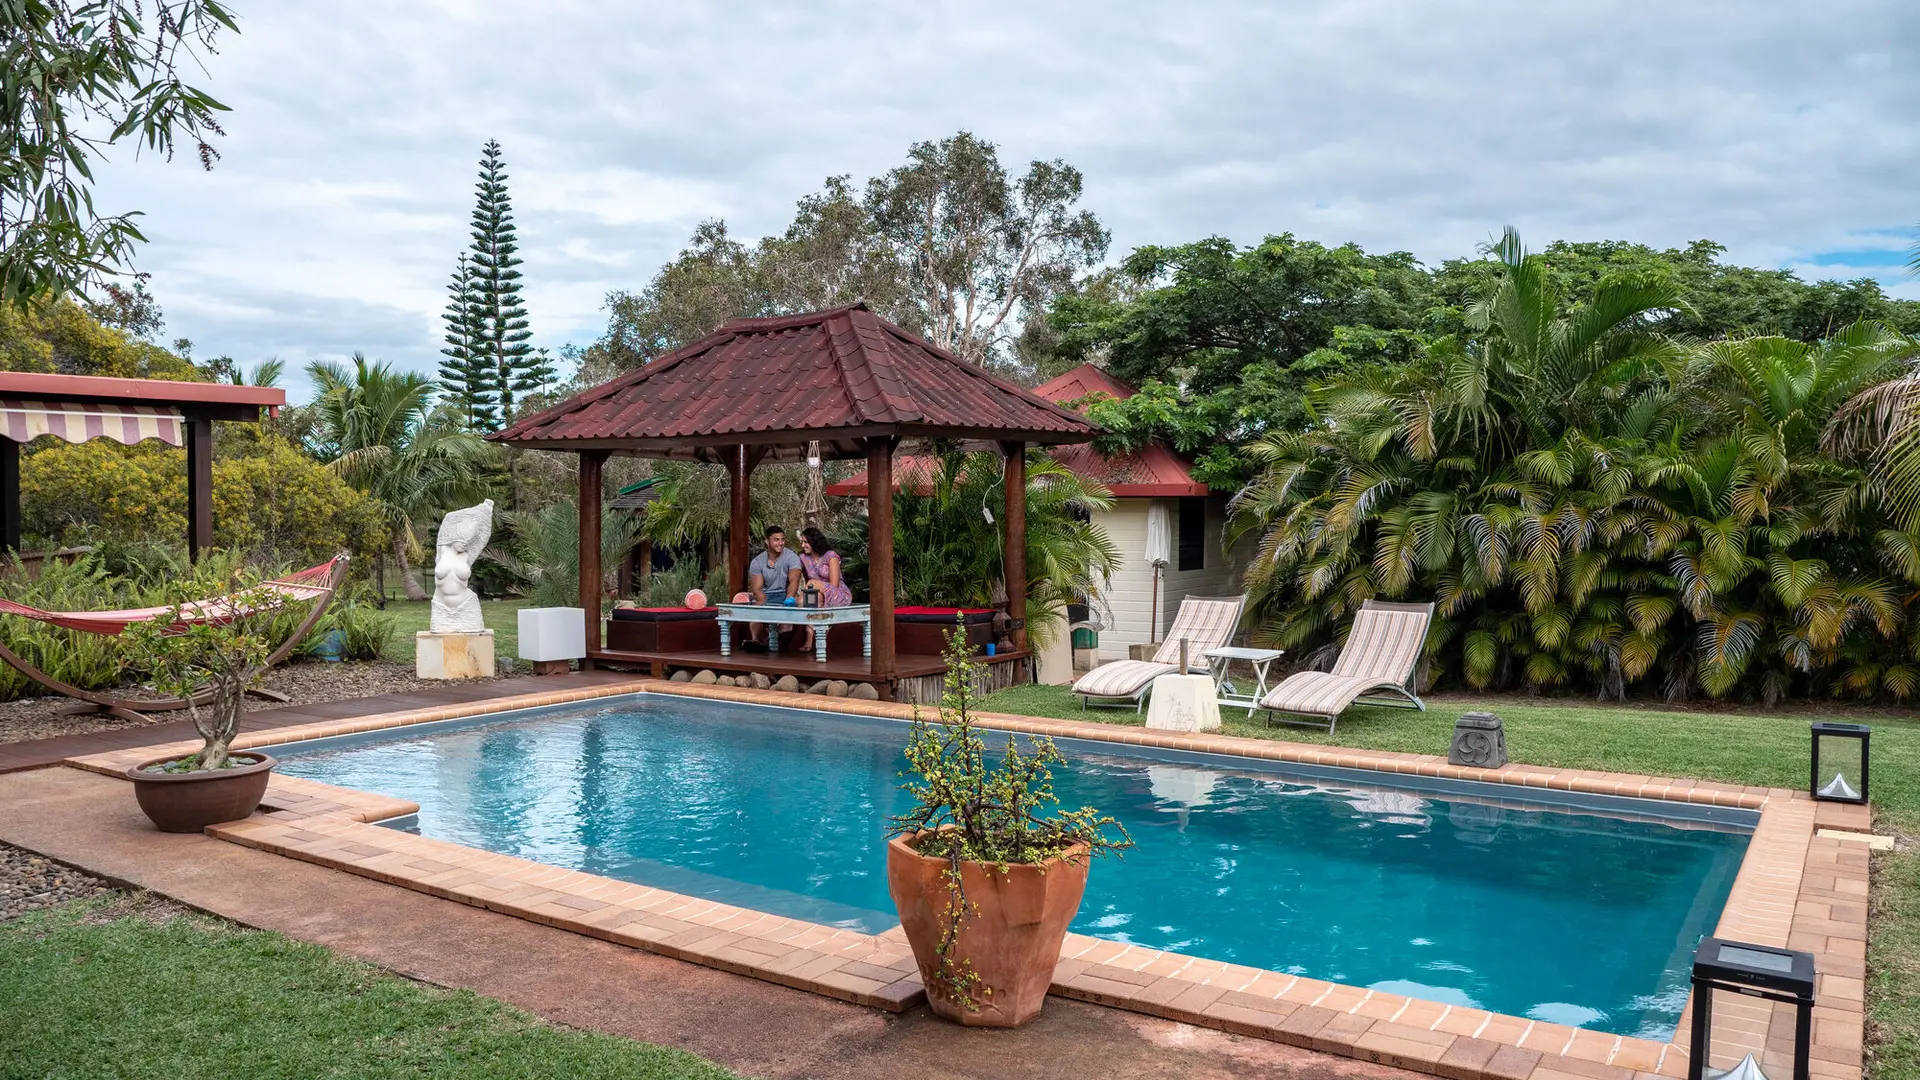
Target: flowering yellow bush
column 269, row 498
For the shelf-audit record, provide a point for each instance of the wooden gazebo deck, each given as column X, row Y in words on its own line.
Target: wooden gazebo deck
column 915, row 677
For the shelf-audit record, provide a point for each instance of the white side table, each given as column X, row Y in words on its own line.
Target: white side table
column 1219, row 660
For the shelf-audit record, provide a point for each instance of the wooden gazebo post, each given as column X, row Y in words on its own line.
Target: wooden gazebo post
column 591, row 464
column 9, row 496
column 1014, row 544
column 880, row 560
column 199, row 439
column 739, row 520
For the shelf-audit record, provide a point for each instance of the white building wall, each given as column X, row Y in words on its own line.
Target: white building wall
column 1131, row 593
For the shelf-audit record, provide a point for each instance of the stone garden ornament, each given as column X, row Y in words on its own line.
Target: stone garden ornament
column 463, row 536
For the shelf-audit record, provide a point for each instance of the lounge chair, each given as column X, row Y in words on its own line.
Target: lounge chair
column 1378, row 658
column 1205, row 622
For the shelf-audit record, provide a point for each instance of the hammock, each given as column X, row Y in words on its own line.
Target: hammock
column 317, row 584
column 309, row 584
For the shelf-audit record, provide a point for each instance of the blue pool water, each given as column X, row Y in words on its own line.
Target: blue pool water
column 1572, row 917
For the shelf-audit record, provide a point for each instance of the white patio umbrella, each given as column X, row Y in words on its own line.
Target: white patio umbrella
column 1159, row 555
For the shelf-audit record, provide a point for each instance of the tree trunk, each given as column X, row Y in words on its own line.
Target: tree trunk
column 408, row 581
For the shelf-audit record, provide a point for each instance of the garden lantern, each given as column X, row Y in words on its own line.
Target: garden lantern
column 1840, row 762
column 1760, row 971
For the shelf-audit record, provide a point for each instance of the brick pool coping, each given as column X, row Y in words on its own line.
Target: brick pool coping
column 1794, row 889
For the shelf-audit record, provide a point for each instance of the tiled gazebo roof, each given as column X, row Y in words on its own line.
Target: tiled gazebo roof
column 836, row 377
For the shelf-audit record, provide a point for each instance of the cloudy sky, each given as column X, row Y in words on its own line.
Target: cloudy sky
column 1787, row 131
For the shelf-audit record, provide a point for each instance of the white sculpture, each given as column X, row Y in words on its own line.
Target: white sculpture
column 463, row 536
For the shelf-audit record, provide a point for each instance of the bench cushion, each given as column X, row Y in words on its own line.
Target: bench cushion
column 663, row 614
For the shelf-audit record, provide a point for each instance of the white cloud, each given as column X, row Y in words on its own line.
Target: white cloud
column 1783, row 130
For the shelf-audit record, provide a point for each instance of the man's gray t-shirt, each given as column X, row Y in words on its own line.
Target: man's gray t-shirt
column 774, row 574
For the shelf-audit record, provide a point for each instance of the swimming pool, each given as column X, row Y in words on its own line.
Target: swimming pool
column 1581, row 915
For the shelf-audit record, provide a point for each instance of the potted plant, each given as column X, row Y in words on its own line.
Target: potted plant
column 985, row 878
column 209, row 653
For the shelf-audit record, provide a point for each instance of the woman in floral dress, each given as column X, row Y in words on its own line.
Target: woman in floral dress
column 820, row 565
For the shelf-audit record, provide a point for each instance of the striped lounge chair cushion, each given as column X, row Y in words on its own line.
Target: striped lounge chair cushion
column 1206, row 624
column 1380, row 650
column 1122, row 678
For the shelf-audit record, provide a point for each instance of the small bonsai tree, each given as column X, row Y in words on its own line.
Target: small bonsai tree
column 220, row 645
column 966, row 810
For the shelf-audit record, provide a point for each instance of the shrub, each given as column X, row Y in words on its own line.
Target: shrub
column 187, row 658
column 367, row 628
column 965, row 810
column 269, row 499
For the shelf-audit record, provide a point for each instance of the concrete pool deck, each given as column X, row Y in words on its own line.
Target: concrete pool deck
column 1794, row 889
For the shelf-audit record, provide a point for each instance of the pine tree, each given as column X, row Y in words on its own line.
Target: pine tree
column 499, row 318
column 465, row 377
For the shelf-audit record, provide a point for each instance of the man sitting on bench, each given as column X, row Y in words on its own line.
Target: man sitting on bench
column 772, row 576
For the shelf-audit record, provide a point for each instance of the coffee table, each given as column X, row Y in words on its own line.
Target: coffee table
column 1218, row 660
column 820, row 618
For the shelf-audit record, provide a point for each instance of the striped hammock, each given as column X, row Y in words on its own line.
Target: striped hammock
column 308, row 584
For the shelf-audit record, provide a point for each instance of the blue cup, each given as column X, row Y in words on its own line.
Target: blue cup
column 991, row 647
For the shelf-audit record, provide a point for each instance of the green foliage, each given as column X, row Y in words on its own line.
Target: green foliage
column 669, row 587
column 80, row 77
column 1208, row 310
column 269, row 498
column 1593, row 504
column 60, row 336
column 544, row 552
column 949, row 546
column 949, row 244
column 373, row 426
column 115, row 988
column 965, row 810
column 369, row 630
column 490, row 366
column 184, row 653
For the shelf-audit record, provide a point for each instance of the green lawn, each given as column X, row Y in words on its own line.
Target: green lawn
column 99, row 988
column 411, row 616
column 1750, row 748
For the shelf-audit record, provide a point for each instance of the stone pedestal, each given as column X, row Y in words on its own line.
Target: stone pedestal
column 453, row 656
column 1142, row 652
column 1183, row 703
column 1478, row 741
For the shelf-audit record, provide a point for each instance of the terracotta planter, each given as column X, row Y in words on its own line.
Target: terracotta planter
column 189, row 802
column 1011, row 937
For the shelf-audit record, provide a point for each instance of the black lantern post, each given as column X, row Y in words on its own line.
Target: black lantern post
column 1840, row 762
column 1760, row 971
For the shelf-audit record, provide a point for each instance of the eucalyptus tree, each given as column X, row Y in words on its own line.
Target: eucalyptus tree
column 82, row 75
column 373, row 425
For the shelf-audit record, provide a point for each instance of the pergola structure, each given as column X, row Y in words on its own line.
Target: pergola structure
column 77, row 408
column 765, row 389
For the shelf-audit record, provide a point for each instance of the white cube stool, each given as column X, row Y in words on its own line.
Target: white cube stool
column 551, row 636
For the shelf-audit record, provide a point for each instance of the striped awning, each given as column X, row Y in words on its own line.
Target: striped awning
column 24, row 421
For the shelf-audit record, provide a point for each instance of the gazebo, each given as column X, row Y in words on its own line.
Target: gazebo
column 77, row 408
column 765, row 389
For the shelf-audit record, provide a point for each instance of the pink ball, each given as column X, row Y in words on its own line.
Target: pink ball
column 696, row 599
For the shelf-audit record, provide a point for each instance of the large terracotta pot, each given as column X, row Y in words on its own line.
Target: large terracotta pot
column 189, row 802
column 1011, row 936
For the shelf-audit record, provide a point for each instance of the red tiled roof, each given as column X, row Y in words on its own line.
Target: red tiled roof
column 836, row 376
column 161, row 392
column 1153, row 472
column 1083, row 381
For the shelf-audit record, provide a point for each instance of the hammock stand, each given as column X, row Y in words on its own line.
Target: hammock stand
column 318, row 584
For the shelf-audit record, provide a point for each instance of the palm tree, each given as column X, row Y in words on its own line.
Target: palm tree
column 374, row 429
column 544, row 552
column 949, row 544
